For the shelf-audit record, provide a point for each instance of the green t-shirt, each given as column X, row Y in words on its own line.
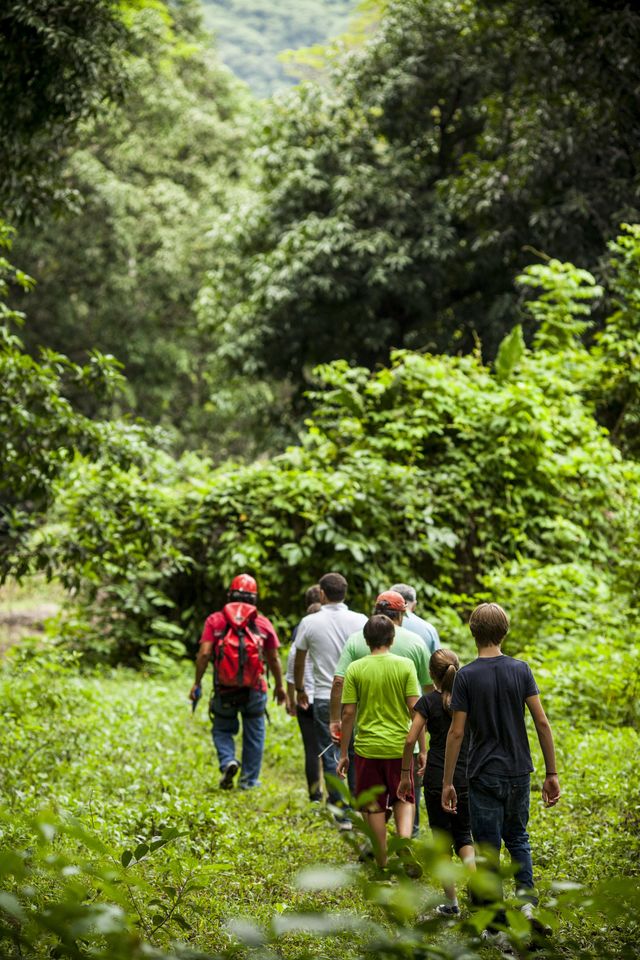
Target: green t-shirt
column 405, row 644
column 380, row 684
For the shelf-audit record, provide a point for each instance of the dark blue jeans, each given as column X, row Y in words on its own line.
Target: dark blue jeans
column 499, row 809
column 226, row 724
column 332, row 755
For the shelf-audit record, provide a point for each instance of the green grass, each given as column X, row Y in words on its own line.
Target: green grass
column 122, row 753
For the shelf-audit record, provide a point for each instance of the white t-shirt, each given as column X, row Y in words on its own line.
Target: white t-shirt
column 308, row 669
column 323, row 635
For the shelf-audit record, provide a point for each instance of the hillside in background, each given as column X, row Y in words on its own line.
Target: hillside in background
column 251, row 33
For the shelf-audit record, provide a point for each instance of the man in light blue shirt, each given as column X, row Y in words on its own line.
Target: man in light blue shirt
column 414, row 623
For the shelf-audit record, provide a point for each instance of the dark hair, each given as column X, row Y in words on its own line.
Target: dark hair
column 383, row 609
column 443, row 667
column 334, row 586
column 312, row 595
column 379, row 631
column 314, row 607
column 489, row 624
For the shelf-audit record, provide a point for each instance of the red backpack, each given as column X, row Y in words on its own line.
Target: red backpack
column 237, row 659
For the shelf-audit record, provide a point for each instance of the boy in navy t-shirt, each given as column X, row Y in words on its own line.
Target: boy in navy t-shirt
column 489, row 695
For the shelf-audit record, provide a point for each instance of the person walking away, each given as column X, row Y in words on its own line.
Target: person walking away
column 381, row 690
column 413, row 622
column 490, row 695
column 322, row 636
column 405, row 644
column 239, row 639
column 304, row 716
column 433, row 711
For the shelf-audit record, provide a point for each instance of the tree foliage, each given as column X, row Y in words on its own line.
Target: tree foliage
column 60, row 59
column 436, row 469
column 395, row 206
column 120, row 272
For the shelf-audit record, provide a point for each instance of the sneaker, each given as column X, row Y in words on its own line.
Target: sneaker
column 366, row 853
column 447, row 910
column 344, row 824
column 229, row 773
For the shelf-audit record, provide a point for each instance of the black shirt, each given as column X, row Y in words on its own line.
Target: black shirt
column 438, row 720
column 492, row 692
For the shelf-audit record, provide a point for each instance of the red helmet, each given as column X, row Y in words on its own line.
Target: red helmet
column 243, row 583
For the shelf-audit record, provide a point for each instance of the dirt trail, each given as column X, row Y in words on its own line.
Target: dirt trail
column 15, row 624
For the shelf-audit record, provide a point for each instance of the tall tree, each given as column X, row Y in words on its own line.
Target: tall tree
column 395, row 206
column 60, row 58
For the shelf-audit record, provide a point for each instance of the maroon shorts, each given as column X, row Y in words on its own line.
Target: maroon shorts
column 381, row 773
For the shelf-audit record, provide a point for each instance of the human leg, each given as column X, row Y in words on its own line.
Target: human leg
column 311, row 751
column 417, row 784
column 224, row 726
column 440, row 822
column 326, row 746
column 487, row 797
column 378, row 823
column 253, row 735
column 516, row 837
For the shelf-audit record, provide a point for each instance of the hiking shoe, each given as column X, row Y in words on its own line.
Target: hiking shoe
column 447, row 910
column 229, row 773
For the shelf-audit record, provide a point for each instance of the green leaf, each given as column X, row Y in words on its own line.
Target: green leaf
column 510, row 353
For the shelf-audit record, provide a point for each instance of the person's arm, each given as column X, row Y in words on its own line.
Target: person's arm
column 298, row 673
column 202, row 662
column 422, row 752
column 335, row 724
column 551, row 785
column 454, row 742
column 290, row 705
column 349, row 711
column 415, row 732
column 273, row 662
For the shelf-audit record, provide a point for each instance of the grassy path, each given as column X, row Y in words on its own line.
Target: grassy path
column 123, row 753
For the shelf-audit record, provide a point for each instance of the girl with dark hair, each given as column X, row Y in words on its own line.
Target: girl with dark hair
column 433, row 712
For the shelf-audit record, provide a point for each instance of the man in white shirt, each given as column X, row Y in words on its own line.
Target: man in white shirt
column 322, row 636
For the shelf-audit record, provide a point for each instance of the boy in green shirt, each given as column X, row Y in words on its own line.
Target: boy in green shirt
column 382, row 689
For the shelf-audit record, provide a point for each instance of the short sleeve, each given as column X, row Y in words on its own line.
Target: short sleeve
column 290, row 663
column 346, row 659
column 530, row 685
column 411, row 686
column 460, row 694
column 422, row 707
column 350, row 689
column 271, row 641
column 434, row 639
column 208, row 634
column 302, row 642
column 422, row 666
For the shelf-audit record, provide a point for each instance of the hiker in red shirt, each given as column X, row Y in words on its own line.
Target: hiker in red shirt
column 239, row 639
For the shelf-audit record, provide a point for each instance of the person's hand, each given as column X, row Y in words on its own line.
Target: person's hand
column 195, row 692
column 290, row 706
column 551, row 790
column 302, row 699
column 280, row 695
column 449, row 799
column 404, row 787
column 335, row 729
column 343, row 767
column 422, row 764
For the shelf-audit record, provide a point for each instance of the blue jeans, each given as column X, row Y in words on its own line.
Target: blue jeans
column 226, row 724
column 332, row 755
column 499, row 809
